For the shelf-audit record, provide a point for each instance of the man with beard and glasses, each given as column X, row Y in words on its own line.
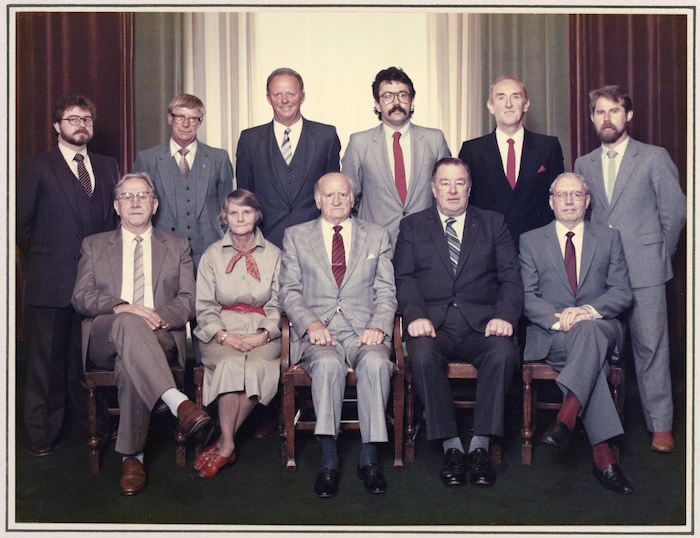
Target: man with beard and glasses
column 391, row 165
column 63, row 195
column 635, row 188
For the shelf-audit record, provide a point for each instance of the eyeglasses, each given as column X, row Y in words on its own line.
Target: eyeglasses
column 388, row 97
column 128, row 197
column 576, row 195
column 179, row 118
column 75, row 120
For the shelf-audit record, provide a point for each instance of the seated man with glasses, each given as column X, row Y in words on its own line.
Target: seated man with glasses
column 576, row 286
column 191, row 178
column 391, row 165
column 135, row 287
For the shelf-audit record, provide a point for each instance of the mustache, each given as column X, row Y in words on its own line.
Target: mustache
column 84, row 131
column 608, row 126
column 398, row 108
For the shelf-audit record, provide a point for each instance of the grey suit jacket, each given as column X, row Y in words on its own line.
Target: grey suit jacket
column 309, row 292
column 603, row 282
column 647, row 206
column 366, row 163
column 99, row 282
column 212, row 176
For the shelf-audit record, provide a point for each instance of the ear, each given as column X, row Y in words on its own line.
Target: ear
column 317, row 199
column 155, row 206
column 116, row 207
column 303, row 96
column 629, row 116
column 526, row 106
column 490, row 107
column 56, row 127
column 551, row 205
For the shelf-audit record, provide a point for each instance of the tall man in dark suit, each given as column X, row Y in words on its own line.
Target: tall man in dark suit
column 63, row 196
column 512, row 168
column 282, row 160
column 135, row 287
column 635, row 189
column 576, row 285
column 390, row 165
column 337, row 287
column 192, row 179
column 460, row 294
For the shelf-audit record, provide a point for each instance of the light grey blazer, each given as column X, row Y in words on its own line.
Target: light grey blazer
column 647, row 207
column 366, row 163
column 309, row 292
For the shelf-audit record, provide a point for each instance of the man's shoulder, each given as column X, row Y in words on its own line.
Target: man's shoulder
column 102, row 238
column 479, row 141
column 256, row 131
column 164, row 236
column 211, row 151
column 151, row 153
column 429, row 132
column 319, row 127
column 367, row 134
column 540, row 138
column 370, row 228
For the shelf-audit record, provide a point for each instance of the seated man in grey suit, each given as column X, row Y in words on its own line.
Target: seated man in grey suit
column 390, row 165
column 135, row 287
column 337, row 287
column 576, row 285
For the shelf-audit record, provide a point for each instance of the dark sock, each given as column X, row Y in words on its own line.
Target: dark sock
column 329, row 452
column 569, row 411
column 368, row 454
column 602, row 455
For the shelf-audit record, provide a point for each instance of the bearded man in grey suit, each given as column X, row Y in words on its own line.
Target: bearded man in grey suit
column 191, row 178
column 576, row 285
column 391, row 165
column 337, row 287
column 635, row 188
column 135, row 287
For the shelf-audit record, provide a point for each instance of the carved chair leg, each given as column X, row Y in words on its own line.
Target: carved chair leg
column 288, row 409
column 527, row 432
column 410, row 433
column 94, row 441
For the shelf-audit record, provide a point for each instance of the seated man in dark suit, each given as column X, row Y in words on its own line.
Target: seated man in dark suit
column 576, row 285
column 135, row 287
column 460, row 294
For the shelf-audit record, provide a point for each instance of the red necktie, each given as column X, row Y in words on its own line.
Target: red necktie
column 338, row 256
column 510, row 163
column 570, row 262
column 399, row 170
column 250, row 266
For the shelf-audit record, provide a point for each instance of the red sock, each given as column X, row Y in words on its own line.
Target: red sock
column 602, row 455
column 569, row 411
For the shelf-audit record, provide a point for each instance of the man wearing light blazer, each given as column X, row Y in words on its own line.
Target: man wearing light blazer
column 390, row 165
column 635, row 188
column 337, row 287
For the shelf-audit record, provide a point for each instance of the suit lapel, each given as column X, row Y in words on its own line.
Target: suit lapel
column 437, row 234
column 269, row 147
column 167, row 168
column 114, row 258
column 596, row 180
column 417, row 158
column 307, row 145
column 159, row 249
column 65, row 177
column 590, row 242
column 200, row 174
column 381, row 161
column 100, row 175
column 528, row 162
column 359, row 237
column 624, row 173
column 494, row 162
column 469, row 235
column 315, row 238
column 553, row 248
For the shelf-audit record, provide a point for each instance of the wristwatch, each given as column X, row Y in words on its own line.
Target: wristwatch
column 265, row 331
column 223, row 337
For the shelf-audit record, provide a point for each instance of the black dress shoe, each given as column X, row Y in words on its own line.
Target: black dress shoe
column 454, row 468
column 557, row 435
column 373, row 478
column 481, row 472
column 327, row 483
column 612, row 478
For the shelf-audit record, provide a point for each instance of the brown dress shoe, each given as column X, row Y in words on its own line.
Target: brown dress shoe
column 662, row 442
column 192, row 418
column 39, row 451
column 133, row 479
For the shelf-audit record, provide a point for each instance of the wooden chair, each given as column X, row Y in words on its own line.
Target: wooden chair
column 455, row 370
column 292, row 408
column 540, row 371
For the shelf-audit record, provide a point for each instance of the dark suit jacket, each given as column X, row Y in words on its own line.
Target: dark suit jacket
column 603, row 282
column 527, row 206
column 487, row 283
column 256, row 172
column 99, row 282
column 49, row 230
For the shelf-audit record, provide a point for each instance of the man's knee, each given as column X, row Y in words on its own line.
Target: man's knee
column 129, row 325
column 376, row 363
column 326, row 366
column 424, row 353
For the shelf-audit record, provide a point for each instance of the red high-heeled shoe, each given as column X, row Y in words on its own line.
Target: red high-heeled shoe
column 205, row 456
column 215, row 464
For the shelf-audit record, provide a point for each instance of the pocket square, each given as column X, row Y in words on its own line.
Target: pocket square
column 371, row 256
column 543, row 168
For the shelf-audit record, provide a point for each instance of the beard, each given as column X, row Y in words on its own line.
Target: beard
column 611, row 136
column 78, row 138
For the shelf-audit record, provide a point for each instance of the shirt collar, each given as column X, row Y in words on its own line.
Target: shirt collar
column 389, row 132
column 295, row 127
column 562, row 230
column 128, row 237
column 175, row 148
column 620, row 148
column 518, row 137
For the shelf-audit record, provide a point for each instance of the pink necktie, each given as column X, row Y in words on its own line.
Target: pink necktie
column 399, row 169
column 510, row 163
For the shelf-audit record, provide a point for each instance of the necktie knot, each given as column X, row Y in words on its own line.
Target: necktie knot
column 183, row 151
column 138, row 238
column 450, row 221
column 569, row 235
column 510, row 141
column 337, row 229
column 287, row 131
column 397, row 135
column 78, row 157
column 612, row 154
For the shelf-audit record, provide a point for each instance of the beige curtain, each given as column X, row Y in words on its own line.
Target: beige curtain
column 456, row 104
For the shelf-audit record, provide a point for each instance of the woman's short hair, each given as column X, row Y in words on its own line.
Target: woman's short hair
column 242, row 197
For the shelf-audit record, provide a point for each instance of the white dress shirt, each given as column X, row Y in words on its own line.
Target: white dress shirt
column 175, row 152
column 69, row 154
column 294, row 134
column 128, row 247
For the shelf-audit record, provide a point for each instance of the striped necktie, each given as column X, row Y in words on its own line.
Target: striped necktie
column 287, row 146
column 453, row 244
column 139, row 280
column 338, row 256
column 83, row 175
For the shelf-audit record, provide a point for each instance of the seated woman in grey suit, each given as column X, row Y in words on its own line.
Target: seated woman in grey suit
column 238, row 324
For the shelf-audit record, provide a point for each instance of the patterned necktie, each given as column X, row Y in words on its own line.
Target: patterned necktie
column 612, row 174
column 250, row 266
column 510, row 163
column 453, row 244
column 83, row 175
column 287, row 146
column 183, row 164
column 139, row 280
column 338, row 256
column 570, row 262
column 399, row 168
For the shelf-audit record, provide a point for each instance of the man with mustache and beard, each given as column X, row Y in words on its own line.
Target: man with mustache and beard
column 63, row 195
column 391, row 165
column 635, row 188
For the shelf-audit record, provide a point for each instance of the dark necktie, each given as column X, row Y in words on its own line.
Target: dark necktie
column 399, row 169
column 338, row 256
column 570, row 262
column 510, row 163
column 183, row 164
column 83, row 175
column 453, row 244
column 139, row 280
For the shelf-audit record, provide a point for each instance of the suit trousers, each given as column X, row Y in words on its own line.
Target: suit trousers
column 139, row 357
column 53, row 365
column 580, row 355
column 648, row 326
column 495, row 357
column 328, row 367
